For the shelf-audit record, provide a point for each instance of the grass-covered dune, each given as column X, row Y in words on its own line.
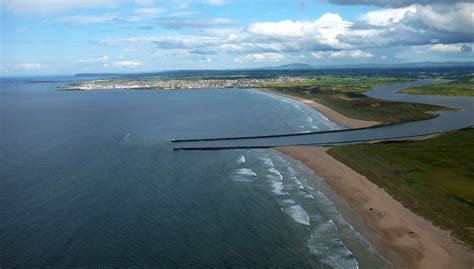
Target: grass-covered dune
column 455, row 86
column 344, row 95
column 434, row 178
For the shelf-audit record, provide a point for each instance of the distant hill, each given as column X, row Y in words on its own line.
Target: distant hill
column 301, row 66
column 295, row 66
column 98, row 74
column 433, row 64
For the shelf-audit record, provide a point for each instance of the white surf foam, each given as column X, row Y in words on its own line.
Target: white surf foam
column 288, row 202
column 291, row 171
column 244, row 175
column 267, row 162
column 298, row 214
column 325, row 243
column 302, row 193
column 276, row 173
column 328, row 209
column 241, row 159
column 277, row 188
column 299, row 184
column 246, row 172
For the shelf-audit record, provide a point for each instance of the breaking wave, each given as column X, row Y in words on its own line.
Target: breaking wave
column 244, row 175
column 298, row 214
column 241, row 159
column 324, row 242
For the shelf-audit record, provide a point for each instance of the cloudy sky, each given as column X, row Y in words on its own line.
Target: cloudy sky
column 72, row 36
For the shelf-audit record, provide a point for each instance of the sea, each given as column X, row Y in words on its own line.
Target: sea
column 90, row 179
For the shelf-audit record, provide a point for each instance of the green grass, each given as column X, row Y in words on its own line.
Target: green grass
column 434, row 178
column 345, row 96
column 357, row 84
column 459, row 86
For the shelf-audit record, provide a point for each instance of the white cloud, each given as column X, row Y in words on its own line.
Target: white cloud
column 446, row 48
column 329, row 36
column 350, row 54
column 317, row 54
column 451, row 47
column 98, row 59
column 279, row 29
column 323, row 31
column 386, row 17
column 232, row 37
column 29, row 66
column 127, row 64
column 342, row 54
column 260, row 57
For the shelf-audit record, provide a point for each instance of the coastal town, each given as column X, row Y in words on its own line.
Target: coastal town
column 169, row 84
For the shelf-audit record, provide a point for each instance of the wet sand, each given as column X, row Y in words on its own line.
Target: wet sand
column 407, row 239
column 331, row 114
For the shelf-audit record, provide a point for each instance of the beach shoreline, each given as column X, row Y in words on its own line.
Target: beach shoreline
column 406, row 239
column 330, row 113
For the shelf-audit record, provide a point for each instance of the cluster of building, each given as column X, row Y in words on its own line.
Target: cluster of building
column 181, row 84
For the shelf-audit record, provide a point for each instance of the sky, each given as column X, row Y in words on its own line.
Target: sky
column 53, row 37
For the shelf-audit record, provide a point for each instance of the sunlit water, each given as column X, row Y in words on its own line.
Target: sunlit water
column 90, row 179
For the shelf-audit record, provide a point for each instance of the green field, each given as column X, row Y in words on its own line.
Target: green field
column 344, row 94
column 457, row 86
column 358, row 84
column 434, row 178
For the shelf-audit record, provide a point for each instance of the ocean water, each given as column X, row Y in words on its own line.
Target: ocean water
column 89, row 179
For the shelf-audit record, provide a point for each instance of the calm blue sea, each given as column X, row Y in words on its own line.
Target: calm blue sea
column 89, row 179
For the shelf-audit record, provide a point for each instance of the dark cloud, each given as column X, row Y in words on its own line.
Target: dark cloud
column 456, row 19
column 426, row 25
column 395, row 3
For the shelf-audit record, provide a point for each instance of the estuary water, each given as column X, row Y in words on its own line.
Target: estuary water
column 89, row 179
column 460, row 116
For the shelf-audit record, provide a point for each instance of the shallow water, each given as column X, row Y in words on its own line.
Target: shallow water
column 90, row 179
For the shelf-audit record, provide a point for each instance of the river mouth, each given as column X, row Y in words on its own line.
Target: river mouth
column 458, row 118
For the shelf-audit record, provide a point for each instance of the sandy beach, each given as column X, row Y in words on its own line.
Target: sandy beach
column 405, row 238
column 416, row 242
column 331, row 114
